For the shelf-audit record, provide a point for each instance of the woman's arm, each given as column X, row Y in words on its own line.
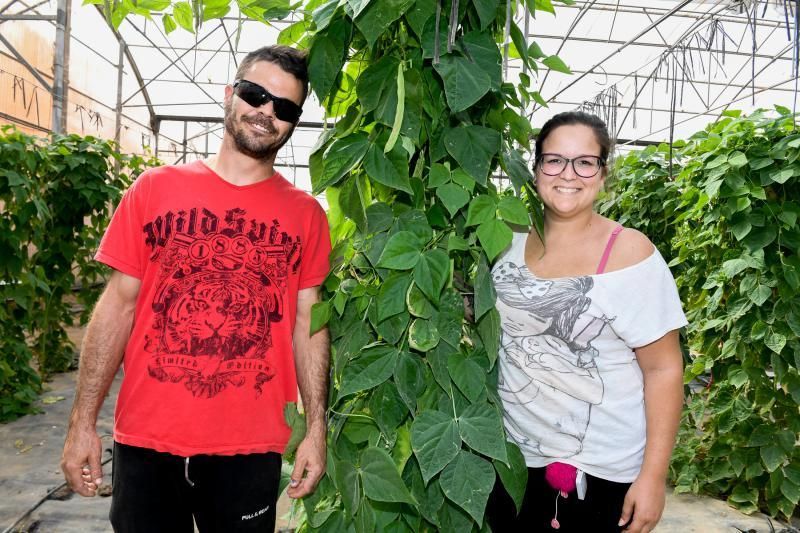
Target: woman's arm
column 662, row 367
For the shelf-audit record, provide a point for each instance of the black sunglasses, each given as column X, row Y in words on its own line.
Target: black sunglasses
column 256, row 96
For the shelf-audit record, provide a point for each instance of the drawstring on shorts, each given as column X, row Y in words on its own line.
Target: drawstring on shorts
column 186, row 472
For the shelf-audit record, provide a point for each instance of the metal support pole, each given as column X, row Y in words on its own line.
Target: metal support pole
column 118, row 118
column 61, row 67
column 185, row 131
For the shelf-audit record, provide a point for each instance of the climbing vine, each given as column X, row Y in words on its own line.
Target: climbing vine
column 729, row 220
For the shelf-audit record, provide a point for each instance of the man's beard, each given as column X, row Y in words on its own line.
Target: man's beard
column 249, row 145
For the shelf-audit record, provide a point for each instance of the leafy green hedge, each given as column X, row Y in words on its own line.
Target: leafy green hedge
column 55, row 195
column 416, row 439
column 729, row 221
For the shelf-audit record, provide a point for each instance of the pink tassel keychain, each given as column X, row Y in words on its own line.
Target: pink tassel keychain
column 561, row 477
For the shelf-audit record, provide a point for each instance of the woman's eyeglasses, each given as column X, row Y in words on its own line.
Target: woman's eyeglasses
column 585, row 166
column 256, row 96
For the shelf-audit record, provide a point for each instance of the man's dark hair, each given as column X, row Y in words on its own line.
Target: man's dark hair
column 289, row 59
column 575, row 118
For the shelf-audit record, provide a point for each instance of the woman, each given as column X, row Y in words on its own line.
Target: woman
column 590, row 366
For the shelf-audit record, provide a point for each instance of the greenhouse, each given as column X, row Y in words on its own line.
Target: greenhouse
column 441, row 372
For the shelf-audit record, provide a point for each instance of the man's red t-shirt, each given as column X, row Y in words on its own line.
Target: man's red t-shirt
column 209, row 365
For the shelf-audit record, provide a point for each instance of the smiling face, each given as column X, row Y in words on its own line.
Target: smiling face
column 257, row 132
column 568, row 194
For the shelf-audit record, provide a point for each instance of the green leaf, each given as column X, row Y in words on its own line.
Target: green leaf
column 377, row 82
column 169, row 23
column 423, row 335
column 438, row 176
column 381, row 169
column 495, row 236
column 514, row 475
column 741, row 229
column 760, row 238
column 481, row 428
column 482, row 208
column 453, row 196
column 378, row 16
column 418, row 15
column 473, row 147
column 409, row 378
column 435, row 441
column 358, row 6
column 489, row 331
column 432, row 272
column 325, row 60
column 340, row 158
column 482, row 49
column 418, row 305
column 368, row 370
column 297, row 423
column 791, row 491
column 760, row 295
column 320, row 315
column 353, row 197
column 555, row 63
column 468, row 481
column 775, row 341
column 717, row 161
column 773, row 456
column 348, row 482
column 379, row 217
column 294, row 35
column 487, row 11
column 381, row 481
column 737, row 159
column 392, row 296
column 182, row 12
column 513, row 211
column 464, row 84
column 514, row 165
column 485, row 295
column 468, row 376
column 402, row 251
column 386, row 405
column 782, row 175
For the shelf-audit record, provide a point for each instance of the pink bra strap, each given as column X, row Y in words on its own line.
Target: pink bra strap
column 607, row 252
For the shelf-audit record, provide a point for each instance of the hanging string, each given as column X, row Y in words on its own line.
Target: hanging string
column 437, row 39
column 507, row 38
column 635, row 97
column 451, row 38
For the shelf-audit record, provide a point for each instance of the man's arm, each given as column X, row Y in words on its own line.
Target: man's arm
column 312, row 361
column 101, row 355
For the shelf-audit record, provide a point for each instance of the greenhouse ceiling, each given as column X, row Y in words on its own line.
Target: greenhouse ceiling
column 655, row 70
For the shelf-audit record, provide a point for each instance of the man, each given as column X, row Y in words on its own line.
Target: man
column 216, row 265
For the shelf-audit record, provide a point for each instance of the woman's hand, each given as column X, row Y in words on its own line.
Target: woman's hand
column 643, row 505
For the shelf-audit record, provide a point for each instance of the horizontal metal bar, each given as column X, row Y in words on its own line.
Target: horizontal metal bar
column 27, row 17
column 23, row 122
column 682, row 13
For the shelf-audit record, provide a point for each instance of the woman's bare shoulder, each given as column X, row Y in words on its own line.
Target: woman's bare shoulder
column 632, row 247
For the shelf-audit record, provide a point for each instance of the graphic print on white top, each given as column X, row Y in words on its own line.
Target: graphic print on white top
column 547, row 335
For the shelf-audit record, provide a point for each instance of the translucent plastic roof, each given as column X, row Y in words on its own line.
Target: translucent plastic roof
column 653, row 69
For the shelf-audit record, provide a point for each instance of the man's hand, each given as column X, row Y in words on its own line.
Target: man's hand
column 80, row 460
column 309, row 465
column 644, row 502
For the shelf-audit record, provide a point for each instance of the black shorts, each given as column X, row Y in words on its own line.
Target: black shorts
column 598, row 512
column 153, row 492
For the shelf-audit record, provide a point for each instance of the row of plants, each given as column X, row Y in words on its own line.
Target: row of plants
column 729, row 221
column 424, row 119
column 55, row 195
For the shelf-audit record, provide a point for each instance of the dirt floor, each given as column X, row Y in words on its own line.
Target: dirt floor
column 30, row 478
